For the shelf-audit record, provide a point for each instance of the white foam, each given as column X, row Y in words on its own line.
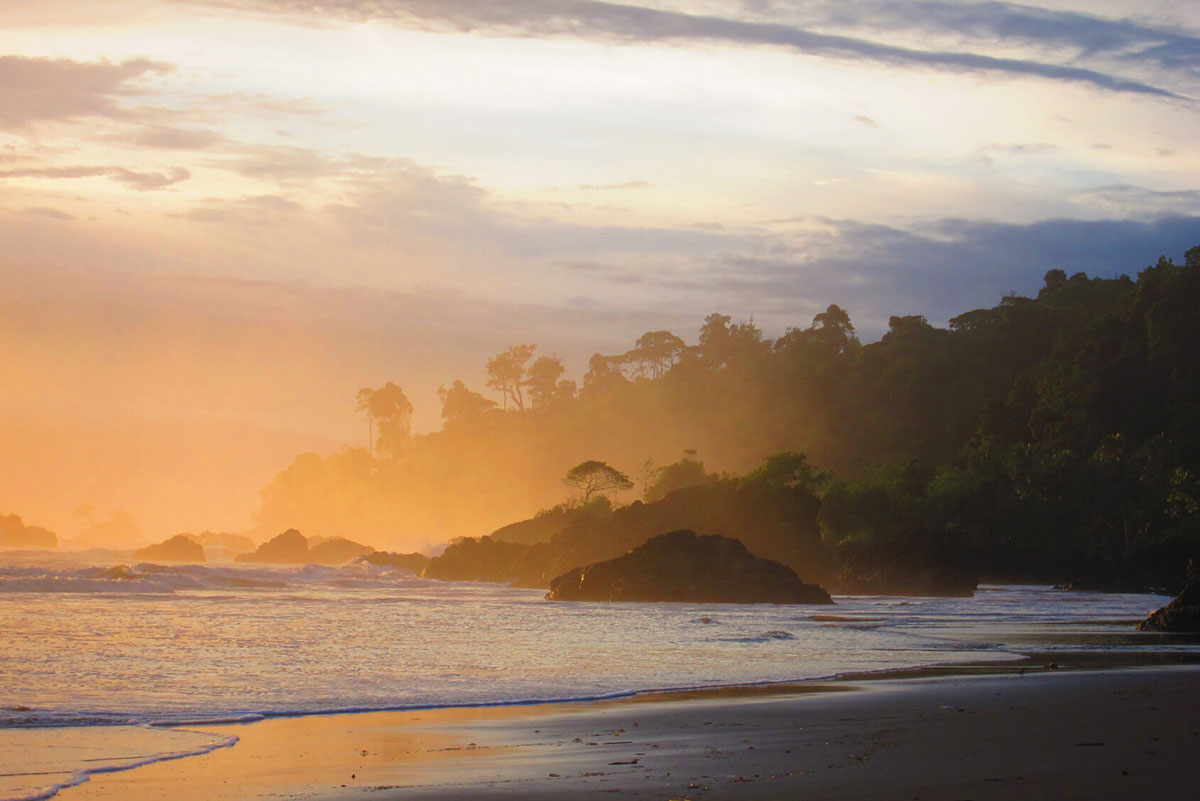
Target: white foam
column 75, row 777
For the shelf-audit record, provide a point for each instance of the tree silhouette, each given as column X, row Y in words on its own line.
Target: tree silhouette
column 460, row 403
column 506, row 374
column 655, row 353
column 596, row 478
column 389, row 412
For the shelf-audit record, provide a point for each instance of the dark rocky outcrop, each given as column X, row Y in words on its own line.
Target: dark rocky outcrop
column 777, row 523
column 336, row 551
column 486, row 559
column 180, row 548
column 539, row 528
column 413, row 562
column 15, row 534
column 681, row 566
column 1182, row 614
column 288, row 548
column 292, row 548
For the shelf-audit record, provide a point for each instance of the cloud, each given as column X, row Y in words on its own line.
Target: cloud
column 617, row 186
column 165, row 137
column 36, row 90
column 46, row 211
column 983, row 155
column 255, row 211
column 607, row 272
column 626, row 23
column 1128, row 39
column 138, row 181
column 285, row 164
column 938, row 269
column 1140, row 202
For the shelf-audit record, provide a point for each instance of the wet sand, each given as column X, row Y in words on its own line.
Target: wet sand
column 1041, row 734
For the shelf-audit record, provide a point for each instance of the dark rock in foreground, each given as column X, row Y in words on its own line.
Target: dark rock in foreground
column 288, row 548
column 180, row 548
column 336, row 552
column 1182, row 614
column 413, row 562
column 681, row 566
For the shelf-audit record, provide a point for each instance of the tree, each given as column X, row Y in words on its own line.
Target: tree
column 787, row 469
column 723, row 342
column 389, row 412
column 603, row 375
column 506, row 374
column 832, row 329
column 687, row 472
column 655, row 353
column 596, row 478
column 460, row 403
column 543, row 381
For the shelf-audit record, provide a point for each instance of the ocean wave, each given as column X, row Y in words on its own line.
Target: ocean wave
column 155, row 579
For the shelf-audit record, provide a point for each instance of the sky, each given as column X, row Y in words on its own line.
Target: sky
column 220, row 218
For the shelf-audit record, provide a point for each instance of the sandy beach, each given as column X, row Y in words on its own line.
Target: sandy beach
column 1041, row 734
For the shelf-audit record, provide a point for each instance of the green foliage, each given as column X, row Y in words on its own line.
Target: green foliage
column 1048, row 437
column 687, row 472
column 786, row 469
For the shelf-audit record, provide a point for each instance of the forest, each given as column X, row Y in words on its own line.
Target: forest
column 1053, row 438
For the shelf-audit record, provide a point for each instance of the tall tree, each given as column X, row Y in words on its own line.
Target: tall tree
column 389, row 412
column 543, row 379
column 506, row 374
column 655, row 353
column 460, row 403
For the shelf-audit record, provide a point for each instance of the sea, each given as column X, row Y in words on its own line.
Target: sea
column 106, row 665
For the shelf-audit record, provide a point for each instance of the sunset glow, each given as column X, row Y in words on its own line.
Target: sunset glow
column 221, row 217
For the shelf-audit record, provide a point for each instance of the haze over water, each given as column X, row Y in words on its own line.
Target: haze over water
column 195, row 643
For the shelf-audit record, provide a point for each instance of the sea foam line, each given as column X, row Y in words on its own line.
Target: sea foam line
column 80, row 776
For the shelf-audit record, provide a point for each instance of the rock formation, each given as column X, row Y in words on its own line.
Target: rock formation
column 288, row 548
column 413, row 562
column 681, row 566
column 1183, row 613
column 15, row 534
column 336, row 552
column 486, row 559
column 180, row 548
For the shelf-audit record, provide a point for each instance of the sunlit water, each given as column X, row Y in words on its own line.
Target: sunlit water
column 80, row 649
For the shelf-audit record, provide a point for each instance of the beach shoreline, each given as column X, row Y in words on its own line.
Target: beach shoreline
column 1034, row 729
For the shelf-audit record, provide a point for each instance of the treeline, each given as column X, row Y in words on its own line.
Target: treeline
column 1051, row 437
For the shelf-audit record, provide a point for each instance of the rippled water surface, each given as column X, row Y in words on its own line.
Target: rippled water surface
column 106, row 667
column 86, row 645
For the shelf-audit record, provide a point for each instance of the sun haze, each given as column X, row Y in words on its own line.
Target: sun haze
column 222, row 218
